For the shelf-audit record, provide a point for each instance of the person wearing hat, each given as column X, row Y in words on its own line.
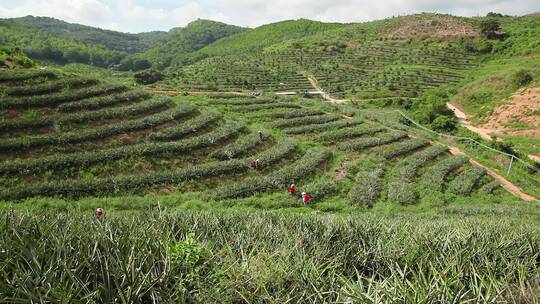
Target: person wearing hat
column 306, row 198
column 100, row 214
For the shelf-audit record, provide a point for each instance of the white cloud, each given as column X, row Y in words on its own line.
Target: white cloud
column 145, row 15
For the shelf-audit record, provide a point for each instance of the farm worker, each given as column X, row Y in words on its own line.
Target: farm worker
column 255, row 163
column 261, row 136
column 306, row 198
column 100, row 214
column 292, row 189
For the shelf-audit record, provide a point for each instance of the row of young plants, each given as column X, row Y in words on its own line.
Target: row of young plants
column 305, row 120
column 267, row 106
column 193, row 125
column 79, row 188
column 82, row 159
column 434, row 178
column 85, row 116
column 402, row 148
column 52, row 100
column 339, row 124
column 466, row 181
column 300, row 169
column 240, row 101
column 30, row 142
column 363, row 143
column 25, row 75
column 48, row 87
column 339, row 135
column 294, row 113
column 367, row 187
column 489, row 187
column 401, row 188
column 240, row 146
column 321, row 188
column 98, row 102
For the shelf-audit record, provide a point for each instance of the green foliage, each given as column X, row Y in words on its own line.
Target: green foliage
column 12, row 57
column 348, row 133
column 49, row 87
column 98, row 132
column 367, row 188
column 193, row 125
column 490, row 27
column 522, row 78
column 404, row 147
column 188, row 252
column 241, row 146
column 148, row 76
column 434, row 178
column 338, row 124
column 363, row 143
column 489, row 187
column 464, row 183
column 111, row 98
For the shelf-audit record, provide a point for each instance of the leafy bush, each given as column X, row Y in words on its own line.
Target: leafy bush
column 367, row 188
column 294, row 113
column 19, row 76
column 148, row 76
column 266, row 106
column 344, row 123
column 489, row 187
column 522, row 78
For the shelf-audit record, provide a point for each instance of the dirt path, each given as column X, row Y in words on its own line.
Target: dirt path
column 324, row 95
column 536, row 158
column 462, row 119
column 510, row 187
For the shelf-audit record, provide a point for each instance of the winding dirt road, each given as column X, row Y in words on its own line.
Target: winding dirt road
column 462, row 119
column 510, row 187
column 323, row 94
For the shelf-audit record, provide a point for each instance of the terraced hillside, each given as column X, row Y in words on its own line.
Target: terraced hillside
column 374, row 60
column 68, row 136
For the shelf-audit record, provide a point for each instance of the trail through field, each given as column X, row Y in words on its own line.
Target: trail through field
column 536, row 158
column 506, row 184
column 462, row 119
column 323, row 94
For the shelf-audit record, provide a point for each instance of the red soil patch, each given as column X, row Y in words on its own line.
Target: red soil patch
column 431, row 26
column 521, row 111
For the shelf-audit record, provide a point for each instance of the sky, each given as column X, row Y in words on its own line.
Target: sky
column 148, row 15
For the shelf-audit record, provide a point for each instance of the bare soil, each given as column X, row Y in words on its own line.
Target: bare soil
column 431, row 26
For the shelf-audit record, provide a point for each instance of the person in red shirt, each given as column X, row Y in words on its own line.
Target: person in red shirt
column 255, row 163
column 292, row 189
column 306, row 198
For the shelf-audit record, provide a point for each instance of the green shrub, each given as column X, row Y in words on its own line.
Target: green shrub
column 366, row 188
column 464, row 183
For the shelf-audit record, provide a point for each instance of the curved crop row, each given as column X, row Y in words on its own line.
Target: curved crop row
column 267, row 106
column 408, row 167
column 86, row 116
column 240, row 101
column 464, row 183
column 434, row 177
column 402, row 191
column 307, row 120
column 240, row 146
column 338, row 135
column 367, row 188
column 404, row 147
column 192, row 125
column 105, row 131
column 78, row 188
column 363, row 143
column 95, row 103
column 300, row 169
column 489, row 187
column 294, row 113
column 344, row 123
column 49, row 87
column 60, row 97
column 81, row 159
column 22, row 76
